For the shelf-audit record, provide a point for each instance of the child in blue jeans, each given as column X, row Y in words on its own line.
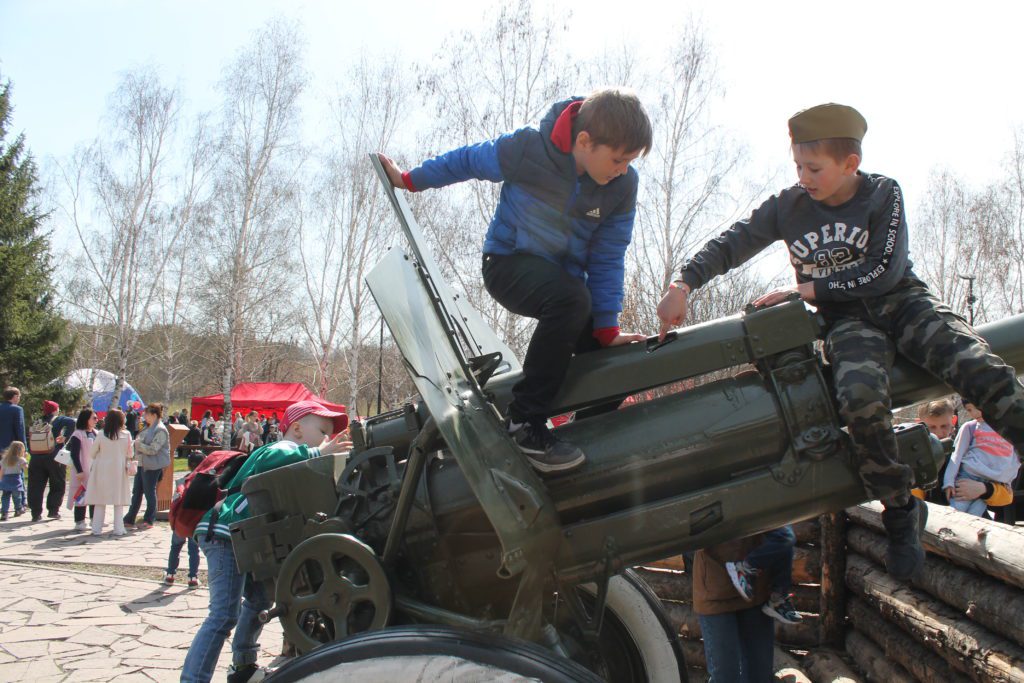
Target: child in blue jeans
column 774, row 555
column 13, row 482
column 235, row 600
column 177, row 541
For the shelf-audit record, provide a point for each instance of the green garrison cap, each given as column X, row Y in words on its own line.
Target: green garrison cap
column 827, row 121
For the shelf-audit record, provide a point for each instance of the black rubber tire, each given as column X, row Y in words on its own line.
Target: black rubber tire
column 506, row 654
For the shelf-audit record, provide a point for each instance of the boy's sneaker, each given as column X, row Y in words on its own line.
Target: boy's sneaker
column 168, row 578
column 545, row 451
column 742, row 576
column 81, row 526
column 3, row 517
column 249, row 673
column 780, row 607
column 53, row 515
column 19, row 513
column 904, row 555
column 193, row 582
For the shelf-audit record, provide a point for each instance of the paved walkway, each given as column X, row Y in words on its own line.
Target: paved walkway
column 60, row 624
column 56, row 541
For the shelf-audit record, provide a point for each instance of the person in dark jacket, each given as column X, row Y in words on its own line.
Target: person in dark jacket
column 12, row 418
column 194, row 436
column 43, row 469
column 132, row 421
column 555, row 249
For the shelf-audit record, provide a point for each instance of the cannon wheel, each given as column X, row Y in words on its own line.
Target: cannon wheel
column 427, row 653
column 331, row 586
column 637, row 641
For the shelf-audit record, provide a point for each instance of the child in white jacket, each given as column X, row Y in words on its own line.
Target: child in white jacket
column 980, row 454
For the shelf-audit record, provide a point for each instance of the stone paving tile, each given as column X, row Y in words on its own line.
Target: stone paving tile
column 57, row 541
column 118, row 631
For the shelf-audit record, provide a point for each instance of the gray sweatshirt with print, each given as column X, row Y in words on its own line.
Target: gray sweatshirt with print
column 853, row 251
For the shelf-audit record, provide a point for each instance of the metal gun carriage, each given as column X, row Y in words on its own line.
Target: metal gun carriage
column 434, row 537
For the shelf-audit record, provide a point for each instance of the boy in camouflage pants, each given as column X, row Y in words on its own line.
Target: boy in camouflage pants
column 847, row 239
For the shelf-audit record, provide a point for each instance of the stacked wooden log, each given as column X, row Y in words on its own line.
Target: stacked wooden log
column 959, row 619
column 673, row 584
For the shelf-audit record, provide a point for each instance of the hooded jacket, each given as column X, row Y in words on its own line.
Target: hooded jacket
column 546, row 208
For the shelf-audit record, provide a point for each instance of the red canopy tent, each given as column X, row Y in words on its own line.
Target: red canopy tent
column 266, row 398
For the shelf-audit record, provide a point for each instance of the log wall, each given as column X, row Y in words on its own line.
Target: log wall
column 960, row 619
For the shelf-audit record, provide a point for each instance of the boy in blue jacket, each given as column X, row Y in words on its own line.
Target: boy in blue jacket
column 555, row 248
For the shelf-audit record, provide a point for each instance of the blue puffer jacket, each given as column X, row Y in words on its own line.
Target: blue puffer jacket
column 547, row 209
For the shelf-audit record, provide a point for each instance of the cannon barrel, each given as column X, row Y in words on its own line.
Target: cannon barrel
column 909, row 383
column 643, row 460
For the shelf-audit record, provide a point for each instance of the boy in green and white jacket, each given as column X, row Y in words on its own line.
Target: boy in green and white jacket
column 308, row 427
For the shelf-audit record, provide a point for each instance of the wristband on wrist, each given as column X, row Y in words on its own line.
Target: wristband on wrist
column 679, row 284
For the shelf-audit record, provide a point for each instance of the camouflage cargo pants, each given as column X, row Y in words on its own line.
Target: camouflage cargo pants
column 917, row 325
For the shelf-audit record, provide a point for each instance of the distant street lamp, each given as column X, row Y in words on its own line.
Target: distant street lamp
column 970, row 297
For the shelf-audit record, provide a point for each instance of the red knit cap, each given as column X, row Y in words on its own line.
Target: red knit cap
column 50, row 407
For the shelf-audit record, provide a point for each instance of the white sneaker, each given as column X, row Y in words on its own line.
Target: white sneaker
column 81, row 526
column 119, row 532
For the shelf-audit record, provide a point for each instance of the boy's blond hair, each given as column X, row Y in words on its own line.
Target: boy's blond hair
column 835, row 148
column 938, row 408
column 614, row 117
column 13, row 453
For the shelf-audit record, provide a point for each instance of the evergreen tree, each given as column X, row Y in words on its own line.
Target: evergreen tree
column 35, row 347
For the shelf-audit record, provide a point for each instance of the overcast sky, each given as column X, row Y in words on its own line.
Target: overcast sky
column 939, row 83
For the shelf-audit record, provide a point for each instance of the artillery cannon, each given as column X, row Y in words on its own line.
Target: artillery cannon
column 434, row 537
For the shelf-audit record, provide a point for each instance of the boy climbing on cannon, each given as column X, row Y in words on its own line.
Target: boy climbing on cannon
column 846, row 233
column 555, row 248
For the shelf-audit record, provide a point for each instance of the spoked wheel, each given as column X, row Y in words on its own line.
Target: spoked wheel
column 637, row 643
column 331, row 586
column 431, row 653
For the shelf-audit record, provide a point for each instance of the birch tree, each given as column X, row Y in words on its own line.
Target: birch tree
column 177, row 289
column 691, row 186
column 484, row 84
column 249, row 288
column 349, row 223
column 120, row 214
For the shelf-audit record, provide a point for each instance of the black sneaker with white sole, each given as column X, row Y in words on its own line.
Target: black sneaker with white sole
column 545, row 451
column 780, row 608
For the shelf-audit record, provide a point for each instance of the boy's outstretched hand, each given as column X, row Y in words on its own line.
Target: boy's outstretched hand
column 393, row 171
column 627, row 338
column 339, row 444
column 672, row 308
column 777, row 296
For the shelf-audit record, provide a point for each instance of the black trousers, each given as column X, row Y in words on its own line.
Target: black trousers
column 43, row 469
column 533, row 287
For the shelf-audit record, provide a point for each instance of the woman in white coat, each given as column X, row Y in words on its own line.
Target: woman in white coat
column 109, row 480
